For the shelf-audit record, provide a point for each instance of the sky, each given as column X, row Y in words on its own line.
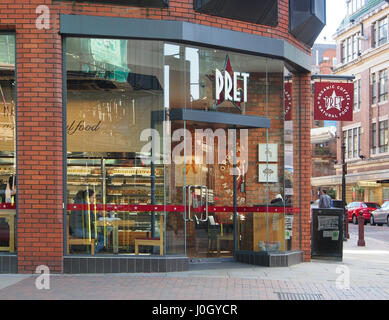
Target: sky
column 336, row 11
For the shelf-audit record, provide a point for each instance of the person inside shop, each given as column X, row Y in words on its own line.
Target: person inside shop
column 79, row 219
column 10, row 190
column 277, row 201
column 325, row 200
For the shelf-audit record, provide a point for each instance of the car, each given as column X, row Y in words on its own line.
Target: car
column 381, row 215
column 357, row 208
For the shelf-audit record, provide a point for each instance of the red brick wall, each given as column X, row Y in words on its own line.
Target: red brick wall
column 39, row 137
column 40, row 116
column 182, row 10
column 302, row 170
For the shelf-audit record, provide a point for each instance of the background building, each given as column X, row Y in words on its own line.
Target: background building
column 323, row 133
column 363, row 51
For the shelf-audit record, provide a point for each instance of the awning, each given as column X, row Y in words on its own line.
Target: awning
column 320, row 135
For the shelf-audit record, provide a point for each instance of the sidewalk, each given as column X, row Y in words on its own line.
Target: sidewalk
column 368, row 268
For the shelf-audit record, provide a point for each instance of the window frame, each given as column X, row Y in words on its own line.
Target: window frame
column 352, row 139
column 374, row 88
column 383, row 85
column 383, row 136
column 357, row 95
column 382, row 35
column 374, row 138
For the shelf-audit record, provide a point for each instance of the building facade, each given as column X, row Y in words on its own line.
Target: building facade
column 323, row 133
column 363, row 51
column 140, row 135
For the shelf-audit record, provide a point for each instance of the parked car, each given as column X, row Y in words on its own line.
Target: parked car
column 381, row 215
column 357, row 208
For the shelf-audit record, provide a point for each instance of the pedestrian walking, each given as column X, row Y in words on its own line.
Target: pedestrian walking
column 325, row 200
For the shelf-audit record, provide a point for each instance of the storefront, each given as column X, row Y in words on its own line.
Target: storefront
column 174, row 148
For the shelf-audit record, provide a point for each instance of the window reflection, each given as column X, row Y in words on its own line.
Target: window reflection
column 8, row 183
column 117, row 150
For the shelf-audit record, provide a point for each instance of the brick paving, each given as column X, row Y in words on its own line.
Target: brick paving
column 368, row 269
column 165, row 287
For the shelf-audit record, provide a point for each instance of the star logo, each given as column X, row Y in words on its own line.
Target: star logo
column 333, row 101
column 228, row 69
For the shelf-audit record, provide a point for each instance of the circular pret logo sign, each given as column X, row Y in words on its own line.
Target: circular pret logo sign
column 334, row 101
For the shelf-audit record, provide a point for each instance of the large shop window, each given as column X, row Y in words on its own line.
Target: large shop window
column 7, row 143
column 140, row 181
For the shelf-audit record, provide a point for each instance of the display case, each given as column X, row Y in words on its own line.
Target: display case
column 82, row 177
column 115, row 180
column 133, row 185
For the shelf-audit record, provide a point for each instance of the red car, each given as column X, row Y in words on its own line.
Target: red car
column 354, row 209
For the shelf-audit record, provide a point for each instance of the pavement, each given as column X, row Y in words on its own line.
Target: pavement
column 362, row 274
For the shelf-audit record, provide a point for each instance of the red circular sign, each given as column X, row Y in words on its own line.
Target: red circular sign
column 334, row 101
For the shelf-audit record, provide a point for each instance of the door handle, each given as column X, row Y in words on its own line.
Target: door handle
column 206, row 203
column 189, row 202
column 184, row 200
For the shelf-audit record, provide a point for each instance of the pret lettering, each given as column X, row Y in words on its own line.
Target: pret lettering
column 229, row 83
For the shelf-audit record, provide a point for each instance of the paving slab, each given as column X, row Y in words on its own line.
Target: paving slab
column 363, row 272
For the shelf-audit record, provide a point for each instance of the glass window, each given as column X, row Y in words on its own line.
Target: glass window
column 382, row 31
column 373, row 89
column 382, row 85
column 122, row 149
column 352, row 138
column 373, row 138
column 355, row 46
column 357, row 95
column 344, row 51
column 354, row 5
column 349, row 49
column 112, row 88
column 383, row 136
column 7, row 142
column 355, row 142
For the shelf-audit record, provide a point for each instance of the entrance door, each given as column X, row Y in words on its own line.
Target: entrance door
column 205, row 178
column 207, row 190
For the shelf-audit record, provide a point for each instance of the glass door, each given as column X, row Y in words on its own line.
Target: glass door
column 207, row 191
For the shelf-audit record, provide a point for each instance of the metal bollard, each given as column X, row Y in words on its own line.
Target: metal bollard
column 361, row 230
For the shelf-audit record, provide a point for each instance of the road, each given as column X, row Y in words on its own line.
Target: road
column 372, row 233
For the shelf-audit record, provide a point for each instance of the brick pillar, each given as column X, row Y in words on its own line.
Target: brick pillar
column 39, row 141
column 302, row 99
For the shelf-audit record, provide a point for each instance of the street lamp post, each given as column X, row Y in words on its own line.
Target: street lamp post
column 344, row 172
